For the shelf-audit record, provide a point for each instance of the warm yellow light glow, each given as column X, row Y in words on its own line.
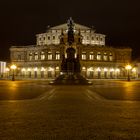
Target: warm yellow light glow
column 61, row 73
column 117, row 70
column 128, row 67
column 105, row 69
column 57, row 68
column 7, row 69
column 23, row 69
column 83, row 68
column 134, row 69
column 42, row 69
column 112, row 69
column 35, row 69
column 13, row 67
column 29, row 69
column 50, row 69
column 90, row 69
column 98, row 69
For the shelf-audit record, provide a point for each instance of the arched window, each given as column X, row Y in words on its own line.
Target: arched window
column 99, row 56
column 42, row 56
column 105, row 72
column 29, row 72
column 98, row 72
column 105, row 56
column 50, row 72
column 91, row 56
column 49, row 55
column 35, row 72
column 36, row 55
column 30, row 56
column 57, row 55
column 83, row 55
column 110, row 57
column 42, row 72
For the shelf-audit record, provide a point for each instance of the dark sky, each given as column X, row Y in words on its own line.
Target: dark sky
column 21, row 20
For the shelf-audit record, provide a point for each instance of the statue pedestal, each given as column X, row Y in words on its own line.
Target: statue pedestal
column 70, row 79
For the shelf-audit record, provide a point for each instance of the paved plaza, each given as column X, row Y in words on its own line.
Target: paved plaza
column 34, row 110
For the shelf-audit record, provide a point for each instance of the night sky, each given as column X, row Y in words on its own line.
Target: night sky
column 20, row 20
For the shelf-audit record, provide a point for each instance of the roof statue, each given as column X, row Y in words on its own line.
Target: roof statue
column 70, row 31
column 70, row 66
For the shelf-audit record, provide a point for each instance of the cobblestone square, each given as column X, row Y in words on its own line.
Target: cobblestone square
column 102, row 111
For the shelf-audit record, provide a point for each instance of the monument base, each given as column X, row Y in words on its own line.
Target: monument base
column 70, row 79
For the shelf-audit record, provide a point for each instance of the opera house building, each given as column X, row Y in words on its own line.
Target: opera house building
column 98, row 61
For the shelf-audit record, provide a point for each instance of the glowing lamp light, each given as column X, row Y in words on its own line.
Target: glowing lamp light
column 128, row 67
column 61, row 73
column 83, row 68
column 57, row 68
column 13, row 67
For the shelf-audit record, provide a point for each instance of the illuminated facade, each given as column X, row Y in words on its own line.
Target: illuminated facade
column 43, row 60
column 2, row 69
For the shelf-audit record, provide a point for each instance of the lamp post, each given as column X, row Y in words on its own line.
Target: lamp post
column 128, row 67
column 13, row 67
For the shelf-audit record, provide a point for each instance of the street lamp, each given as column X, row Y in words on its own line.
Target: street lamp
column 13, row 67
column 128, row 67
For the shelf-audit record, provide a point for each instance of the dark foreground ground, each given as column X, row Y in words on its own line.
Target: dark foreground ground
column 34, row 110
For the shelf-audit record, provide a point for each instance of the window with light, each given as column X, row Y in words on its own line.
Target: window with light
column 91, row 56
column 30, row 56
column 42, row 56
column 49, row 56
column 98, row 56
column 84, row 56
column 36, row 56
column 105, row 57
column 110, row 57
column 57, row 55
